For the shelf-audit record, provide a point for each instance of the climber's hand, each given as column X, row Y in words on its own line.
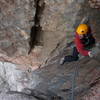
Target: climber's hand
column 90, row 54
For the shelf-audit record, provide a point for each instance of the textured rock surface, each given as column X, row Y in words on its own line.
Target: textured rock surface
column 52, row 82
column 93, row 93
column 57, row 24
column 58, row 80
column 94, row 3
column 15, row 83
column 58, row 21
column 16, row 96
column 16, row 78
column 15, row 30
column 15, row 27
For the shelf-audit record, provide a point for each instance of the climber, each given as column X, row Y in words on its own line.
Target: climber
column 84, row 41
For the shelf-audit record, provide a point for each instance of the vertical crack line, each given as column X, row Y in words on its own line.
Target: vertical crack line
column 36, row 30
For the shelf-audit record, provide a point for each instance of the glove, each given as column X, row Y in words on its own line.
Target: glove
column 97, row 44
column 90, row 54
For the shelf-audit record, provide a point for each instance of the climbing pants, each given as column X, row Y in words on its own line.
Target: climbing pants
column 73, row 57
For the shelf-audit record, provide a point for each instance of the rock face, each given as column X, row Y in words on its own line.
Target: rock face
column 57, row 26
column 93, row 93
column 22, row 23
column 94, row 3
column 16, row 96
column 15, row 78
column 17, row 29
column 15, row 26
column 46, row 25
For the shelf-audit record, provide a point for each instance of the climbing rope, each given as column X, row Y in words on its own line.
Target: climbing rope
column 74, row 75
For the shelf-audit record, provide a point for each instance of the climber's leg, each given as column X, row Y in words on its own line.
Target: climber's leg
column 70, row 58
column 75, row 52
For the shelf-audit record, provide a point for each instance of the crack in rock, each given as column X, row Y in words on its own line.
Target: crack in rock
column 36, row 30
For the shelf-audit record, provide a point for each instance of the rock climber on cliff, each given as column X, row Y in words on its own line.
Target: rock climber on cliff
column 84, row 40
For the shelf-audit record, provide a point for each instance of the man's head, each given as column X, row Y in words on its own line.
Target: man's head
column 82, row 29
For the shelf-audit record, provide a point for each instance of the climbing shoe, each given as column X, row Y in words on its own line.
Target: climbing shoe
column 62, row 61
